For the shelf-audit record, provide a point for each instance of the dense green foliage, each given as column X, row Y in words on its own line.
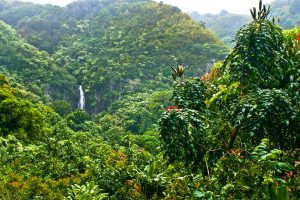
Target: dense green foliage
column 231, row 134
column 33, row 69
column 248, row 103
column 119, row 47
column 40, row 25
column 17, row 57
column 138, row 42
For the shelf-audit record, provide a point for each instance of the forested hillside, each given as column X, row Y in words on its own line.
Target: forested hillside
column 40, row 25
column 31, row 69
column 117, row 44
column 132, row 99
column 288, row 11
column 225, row 24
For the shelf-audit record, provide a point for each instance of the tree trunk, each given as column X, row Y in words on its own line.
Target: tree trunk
column 232, row 138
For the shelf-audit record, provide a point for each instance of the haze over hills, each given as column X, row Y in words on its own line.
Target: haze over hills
column 288, row 11
column 202, row 6
column 226, row 24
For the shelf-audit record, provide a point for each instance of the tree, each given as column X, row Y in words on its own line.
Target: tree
column 249, row 97
column 19, row 117
column 183, row 125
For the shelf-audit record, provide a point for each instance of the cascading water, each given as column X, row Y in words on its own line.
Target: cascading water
column 81, row 103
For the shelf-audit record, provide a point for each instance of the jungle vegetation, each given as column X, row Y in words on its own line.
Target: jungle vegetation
column 170, row 112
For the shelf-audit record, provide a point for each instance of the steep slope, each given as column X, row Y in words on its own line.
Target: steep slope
column 131, row 42
column 112, row 47
column 31, row 68
column 22, row 60
column 41, row 25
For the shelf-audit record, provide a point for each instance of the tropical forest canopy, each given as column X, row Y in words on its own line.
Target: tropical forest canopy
column 132, row 99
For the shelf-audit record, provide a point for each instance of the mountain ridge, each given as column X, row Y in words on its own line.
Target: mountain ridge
column 124, row 42
column 226, row 24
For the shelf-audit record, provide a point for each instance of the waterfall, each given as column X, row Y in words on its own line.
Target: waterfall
column 81, row 103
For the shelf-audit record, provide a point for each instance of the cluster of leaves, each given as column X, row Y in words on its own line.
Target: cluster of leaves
column 88, row 191
column 248, row 103
column 262, row 174
column 183, row 127
column 27, row 121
